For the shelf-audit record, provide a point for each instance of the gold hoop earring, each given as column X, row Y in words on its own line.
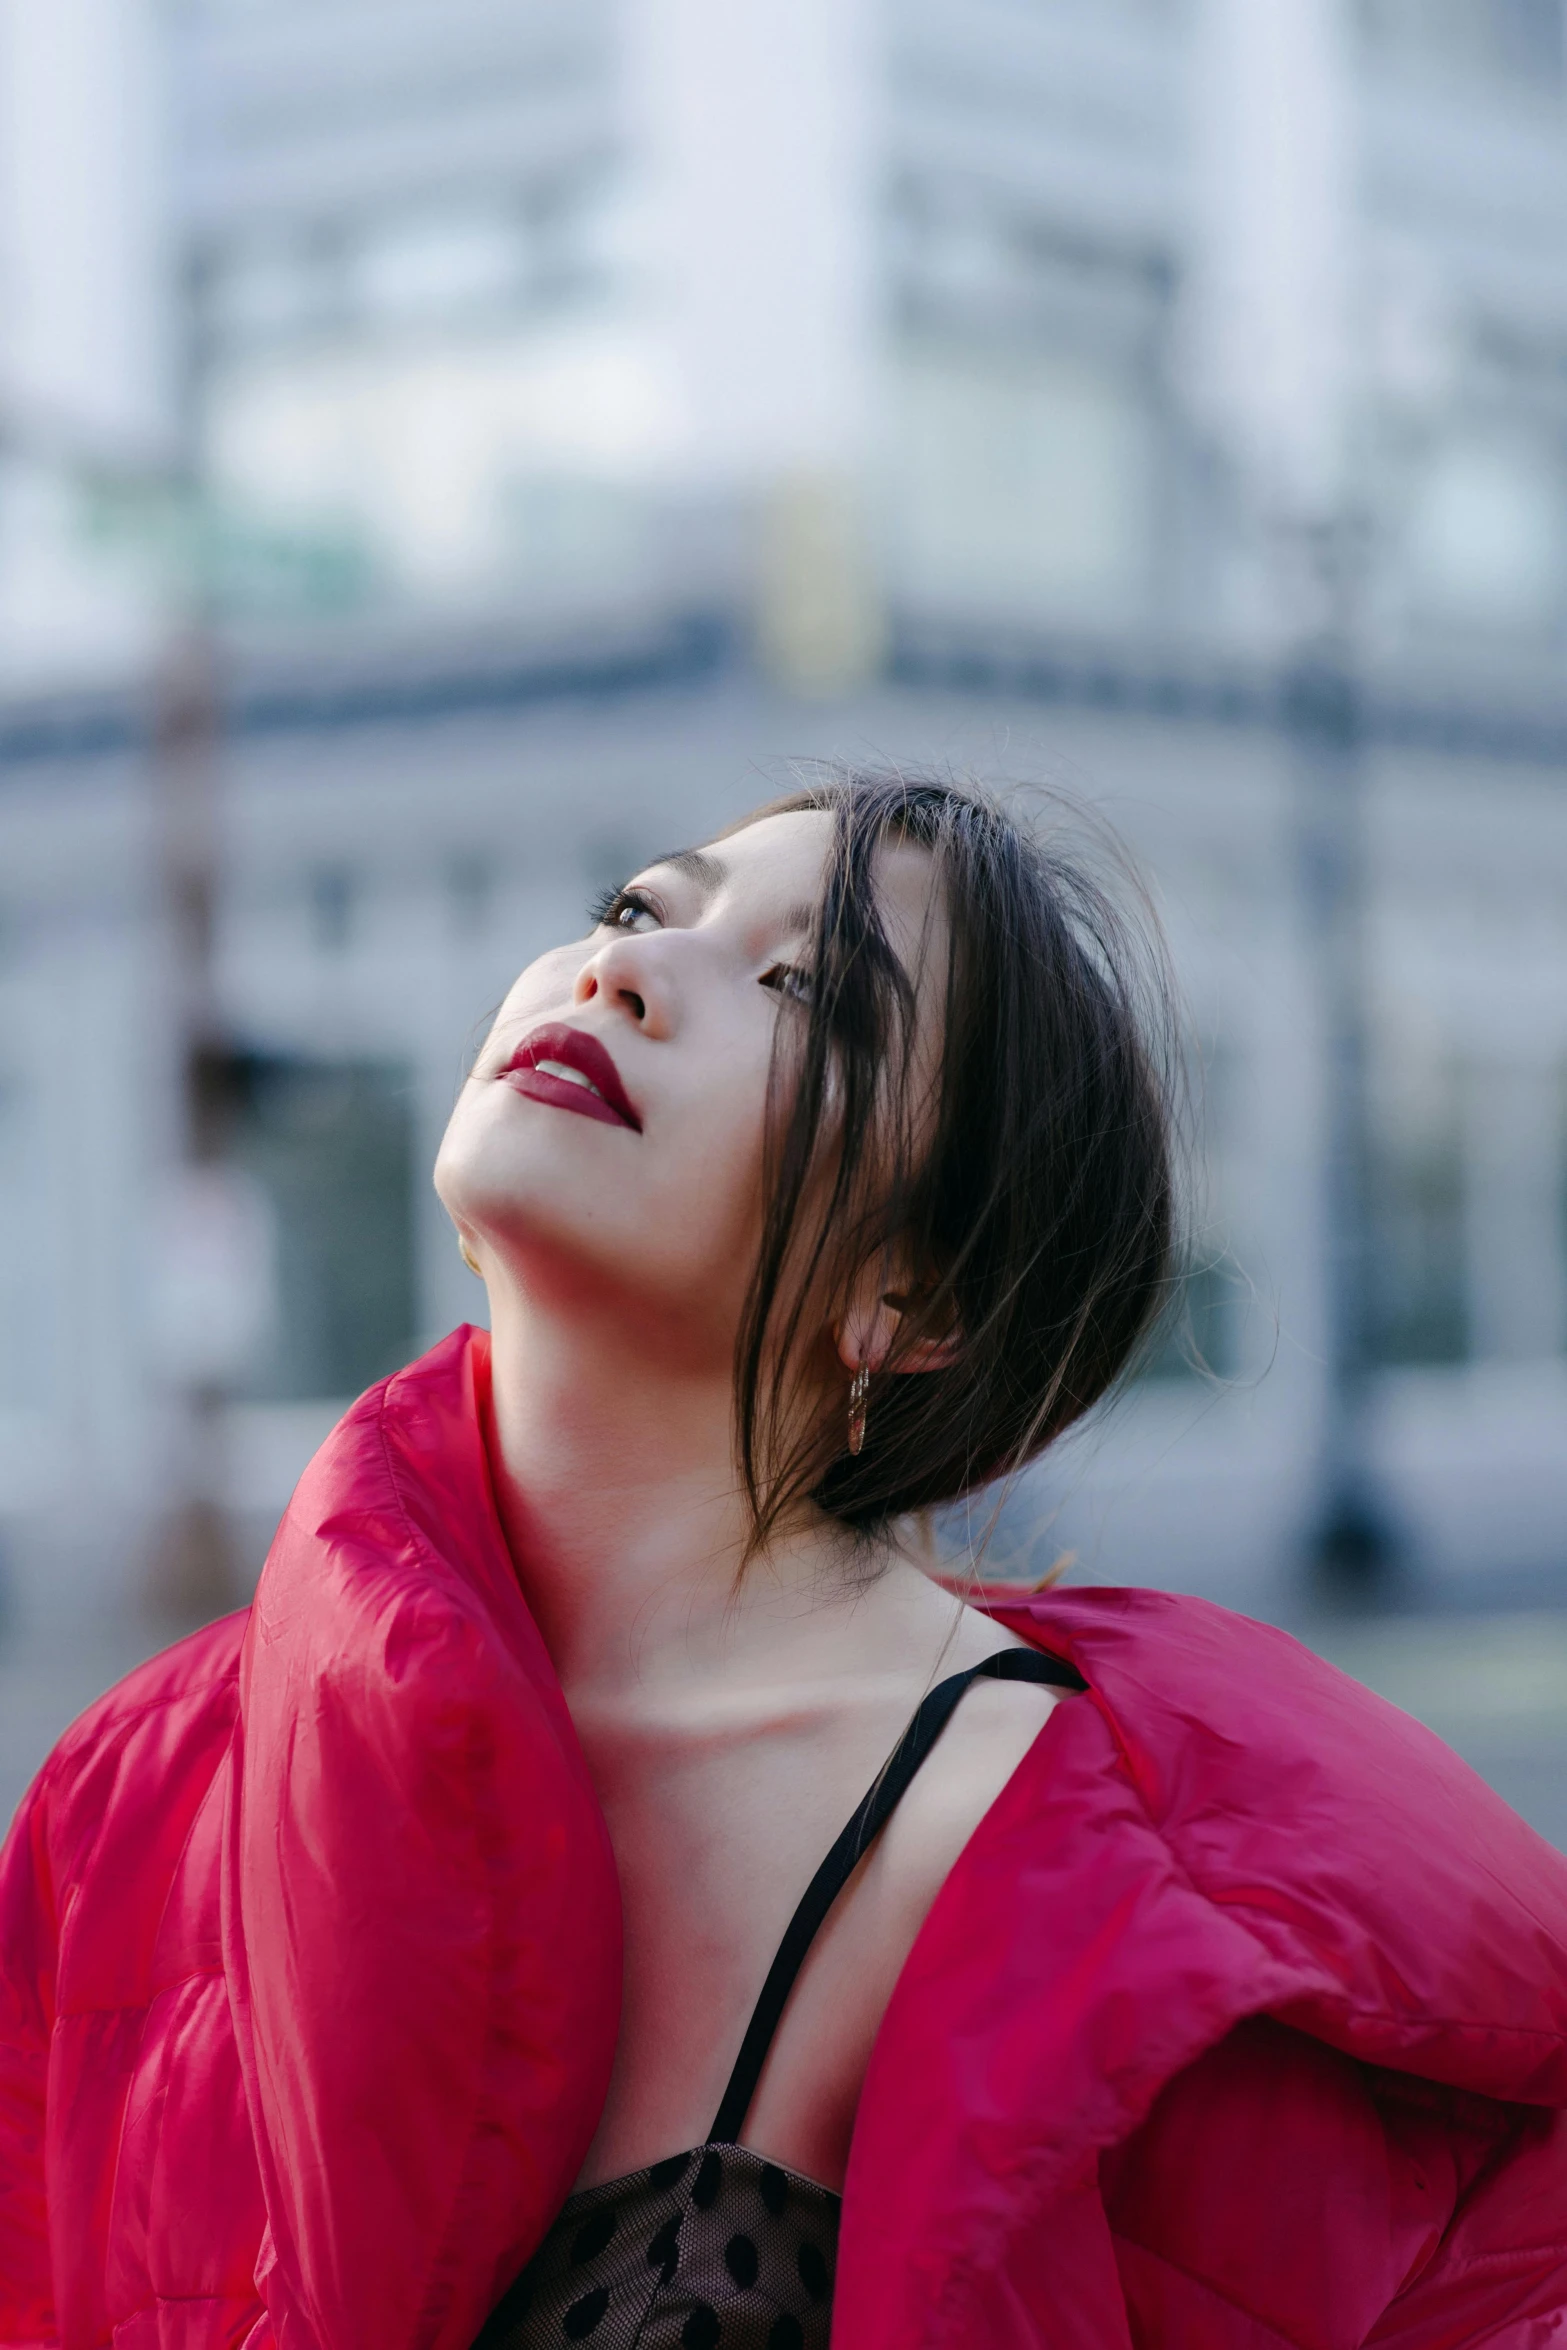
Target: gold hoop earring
column 859, row 1399
column 468, row 1257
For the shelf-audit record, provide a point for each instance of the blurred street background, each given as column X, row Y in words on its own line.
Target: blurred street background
column 452, row 449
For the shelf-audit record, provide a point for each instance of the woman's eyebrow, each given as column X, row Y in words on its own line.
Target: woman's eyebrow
column 708, row 872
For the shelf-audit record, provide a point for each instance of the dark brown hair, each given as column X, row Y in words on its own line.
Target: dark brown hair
column 1034, row 1194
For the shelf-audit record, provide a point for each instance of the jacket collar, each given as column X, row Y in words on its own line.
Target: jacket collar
column 1223, row 1826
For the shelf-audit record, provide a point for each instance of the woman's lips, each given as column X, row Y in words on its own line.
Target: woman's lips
column 571, row 1070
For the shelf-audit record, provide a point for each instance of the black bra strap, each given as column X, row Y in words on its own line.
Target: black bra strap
column 1011, row 1664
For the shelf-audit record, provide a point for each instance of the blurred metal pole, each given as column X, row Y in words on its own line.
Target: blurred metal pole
column 1350, row 1540
column 193, row 1569
column 1276, row 365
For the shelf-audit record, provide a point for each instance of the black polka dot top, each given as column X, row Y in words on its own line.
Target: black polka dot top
column 717, row 2246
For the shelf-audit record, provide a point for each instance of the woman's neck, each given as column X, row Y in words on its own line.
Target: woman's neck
column 615, row 1479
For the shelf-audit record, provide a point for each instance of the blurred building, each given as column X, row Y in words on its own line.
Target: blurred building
column 555, row 418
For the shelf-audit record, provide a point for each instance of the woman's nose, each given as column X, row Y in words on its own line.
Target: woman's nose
column 625, row 978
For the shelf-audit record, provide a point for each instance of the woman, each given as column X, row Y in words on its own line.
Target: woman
column 444, row 1948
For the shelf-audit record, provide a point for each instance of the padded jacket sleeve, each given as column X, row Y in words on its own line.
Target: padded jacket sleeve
column 27, row 1944
column 421, row 1937
column 1279, row 2192
column 1498, row 2278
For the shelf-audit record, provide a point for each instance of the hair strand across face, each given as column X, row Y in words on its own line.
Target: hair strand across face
column 1031, row 1202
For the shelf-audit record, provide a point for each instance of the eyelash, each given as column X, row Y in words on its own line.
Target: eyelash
column 785, row 979
column 611, row 903
column 789, row 981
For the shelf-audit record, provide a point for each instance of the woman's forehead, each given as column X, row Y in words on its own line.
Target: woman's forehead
column 786, row 852
column 780, row 861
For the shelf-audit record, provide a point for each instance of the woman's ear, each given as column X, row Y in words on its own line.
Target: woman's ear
column 871, row 1322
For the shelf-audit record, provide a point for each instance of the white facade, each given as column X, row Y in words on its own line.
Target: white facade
column 597, row 406
column 389, row 877
column 86, row 333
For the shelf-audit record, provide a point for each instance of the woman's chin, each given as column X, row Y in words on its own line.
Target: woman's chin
column 541, row 1170
column 587, row 1260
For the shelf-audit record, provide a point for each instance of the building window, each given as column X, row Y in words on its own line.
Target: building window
column 1021, row 486
column 267, row 291
column 1521, row 41
column 1201, row 1335
column 332, row 907
column 331, row 1143
column 21, row 1249
column 1485, row 538
column 1516, row 1265
column 491, row 468
column 1420, row 1304
column 422, row 269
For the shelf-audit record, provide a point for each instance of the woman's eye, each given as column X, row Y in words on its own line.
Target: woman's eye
column 788, row 979
column 624, row 909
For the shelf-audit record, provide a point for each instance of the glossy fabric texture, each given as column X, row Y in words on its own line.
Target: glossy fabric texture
column 1241, row 2021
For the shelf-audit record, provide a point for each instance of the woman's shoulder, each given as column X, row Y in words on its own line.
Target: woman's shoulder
column 1219, row 1828
column 1183, row 1679
column 390, row 1570
column 87, row 1864
column 191, row 1678
column 167, row 1720
column 390, row 1647
column 1237, row 1739
column 1395, row 1904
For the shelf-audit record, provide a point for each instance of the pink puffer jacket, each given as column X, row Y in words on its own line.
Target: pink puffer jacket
column 1241, row 2022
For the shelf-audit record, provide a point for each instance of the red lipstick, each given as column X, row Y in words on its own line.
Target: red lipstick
column 537, row 1069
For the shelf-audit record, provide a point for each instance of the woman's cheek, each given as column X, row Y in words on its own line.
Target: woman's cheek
column 725, row 1190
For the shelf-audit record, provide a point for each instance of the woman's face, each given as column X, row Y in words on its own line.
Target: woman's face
column 607, row 1149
